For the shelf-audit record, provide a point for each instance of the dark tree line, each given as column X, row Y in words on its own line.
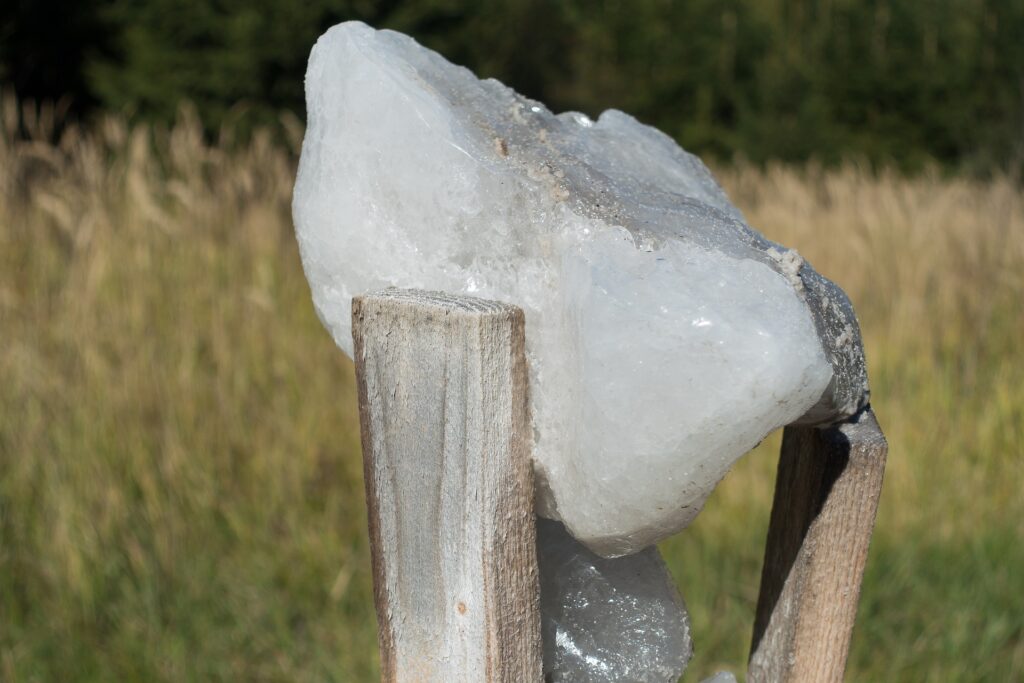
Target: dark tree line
column 886, row 80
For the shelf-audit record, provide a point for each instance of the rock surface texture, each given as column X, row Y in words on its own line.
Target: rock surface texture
column 608, row 620
column 665, row 337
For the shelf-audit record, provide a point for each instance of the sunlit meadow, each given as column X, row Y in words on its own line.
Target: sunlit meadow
column 180, row 479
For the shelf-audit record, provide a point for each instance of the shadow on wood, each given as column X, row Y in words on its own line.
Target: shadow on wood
column 826, row 497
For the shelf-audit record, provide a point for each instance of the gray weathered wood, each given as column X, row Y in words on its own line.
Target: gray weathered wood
column 449, row 488
column 826, row 496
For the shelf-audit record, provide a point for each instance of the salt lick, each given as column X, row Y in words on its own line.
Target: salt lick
column 665, row 337
column 607, row 621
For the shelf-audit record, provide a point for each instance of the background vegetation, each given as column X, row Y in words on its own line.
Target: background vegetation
column 894, row 81
column 180, row 478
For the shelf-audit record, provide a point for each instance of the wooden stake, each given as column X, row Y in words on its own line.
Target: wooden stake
column 826, row 496
column 449, row 489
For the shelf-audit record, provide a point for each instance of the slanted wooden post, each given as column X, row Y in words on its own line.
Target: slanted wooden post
column 826, row 496
column 449, row 487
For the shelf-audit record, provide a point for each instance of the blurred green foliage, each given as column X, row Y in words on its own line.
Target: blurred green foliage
column 899, row 81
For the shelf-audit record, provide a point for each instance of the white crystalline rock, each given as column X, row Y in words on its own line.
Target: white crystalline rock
column 665, row 338
column 608, row 620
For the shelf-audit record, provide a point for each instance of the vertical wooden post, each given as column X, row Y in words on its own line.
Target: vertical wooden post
column 449, row 489
column 826, row 496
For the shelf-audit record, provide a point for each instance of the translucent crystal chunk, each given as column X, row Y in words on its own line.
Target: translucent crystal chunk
column 608, row 620
column 665, row 337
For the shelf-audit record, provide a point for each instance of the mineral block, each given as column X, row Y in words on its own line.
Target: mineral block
column 665, row 337
column 608, row 620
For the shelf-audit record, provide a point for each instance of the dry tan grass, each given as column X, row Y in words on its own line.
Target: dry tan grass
column 180, row 492
column 935, row 267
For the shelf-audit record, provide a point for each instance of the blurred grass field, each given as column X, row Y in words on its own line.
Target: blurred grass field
column 180, row 480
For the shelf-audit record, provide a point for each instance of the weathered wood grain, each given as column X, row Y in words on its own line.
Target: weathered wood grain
column 826, row 496
column 444, row 415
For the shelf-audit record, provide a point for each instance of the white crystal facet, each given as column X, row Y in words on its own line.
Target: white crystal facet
column 665, row 338
column 608, row 620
